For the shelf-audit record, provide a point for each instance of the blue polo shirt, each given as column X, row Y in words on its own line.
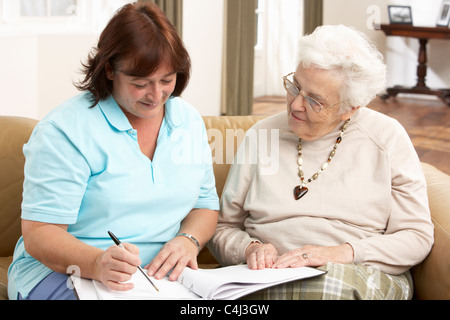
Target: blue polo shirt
column 84, row 168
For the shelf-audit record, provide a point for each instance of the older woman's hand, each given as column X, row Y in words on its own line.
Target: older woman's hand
column 315, row 256
column 260, row 256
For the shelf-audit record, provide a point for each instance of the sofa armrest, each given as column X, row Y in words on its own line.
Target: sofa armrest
column 431, row 277
column 4, row 265
column 15, row 132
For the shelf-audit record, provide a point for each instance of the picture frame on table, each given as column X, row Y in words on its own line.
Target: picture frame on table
column 400, row 15
column 444, row 14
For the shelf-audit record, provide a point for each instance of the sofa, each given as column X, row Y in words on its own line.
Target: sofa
column 431, row 277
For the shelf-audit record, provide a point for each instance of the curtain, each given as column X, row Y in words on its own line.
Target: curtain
column 313, row 15
column 239, row 43
column 284, row 28
column 173, row 10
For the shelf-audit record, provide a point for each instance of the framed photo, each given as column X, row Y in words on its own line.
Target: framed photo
column 400, row 15
column 444, row 14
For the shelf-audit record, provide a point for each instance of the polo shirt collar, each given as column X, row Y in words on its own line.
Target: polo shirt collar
column 115, row 116
column 172, row 113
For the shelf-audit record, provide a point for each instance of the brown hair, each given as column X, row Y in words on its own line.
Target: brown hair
column 143, row 36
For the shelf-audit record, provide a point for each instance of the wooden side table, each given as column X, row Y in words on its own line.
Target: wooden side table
column 423, row 34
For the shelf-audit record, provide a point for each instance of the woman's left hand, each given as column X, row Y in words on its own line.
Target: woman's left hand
column 177, row 254
column 315, row 256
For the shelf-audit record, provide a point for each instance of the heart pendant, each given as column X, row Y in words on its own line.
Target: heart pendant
column 299, row 192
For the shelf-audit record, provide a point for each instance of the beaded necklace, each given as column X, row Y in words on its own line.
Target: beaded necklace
column 301, row 190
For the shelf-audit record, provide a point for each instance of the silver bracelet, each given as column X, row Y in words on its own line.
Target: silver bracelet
column 191, row 237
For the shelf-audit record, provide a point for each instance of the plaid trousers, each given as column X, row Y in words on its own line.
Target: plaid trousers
column 342, row 282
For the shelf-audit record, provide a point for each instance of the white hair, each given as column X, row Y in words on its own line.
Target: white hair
column 350, row 54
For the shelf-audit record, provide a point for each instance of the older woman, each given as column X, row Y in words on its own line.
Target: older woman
column 349, row 195
column 111, row 158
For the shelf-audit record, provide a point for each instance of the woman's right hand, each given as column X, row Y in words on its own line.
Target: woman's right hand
column 260, row 256
column 116, row 265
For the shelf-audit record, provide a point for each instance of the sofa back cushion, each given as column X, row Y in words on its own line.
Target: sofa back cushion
column 225, row 134
column 14, row 133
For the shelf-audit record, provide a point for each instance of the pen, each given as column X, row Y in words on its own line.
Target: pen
column 119, row 244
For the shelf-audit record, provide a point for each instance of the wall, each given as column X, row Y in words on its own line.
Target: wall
column 38, row 71
column 400, row 53
column 38, row 68
column 54, row 85
column 202, row 35
column 18, row 85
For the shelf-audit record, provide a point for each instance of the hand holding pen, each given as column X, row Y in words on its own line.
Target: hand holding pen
column 119, row 244
column 116, row 266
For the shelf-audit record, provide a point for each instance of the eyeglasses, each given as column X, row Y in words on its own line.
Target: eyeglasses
column 294, row 91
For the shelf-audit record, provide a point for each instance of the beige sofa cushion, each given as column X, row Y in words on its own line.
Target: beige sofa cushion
column 15, row 132
column 217, row 128
column 4, row 265
column 431, row 277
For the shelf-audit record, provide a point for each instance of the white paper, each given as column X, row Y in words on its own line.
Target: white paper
column 226, row 283
column 236, row 281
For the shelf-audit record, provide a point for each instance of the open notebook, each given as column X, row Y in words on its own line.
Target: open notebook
column 227, row 283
